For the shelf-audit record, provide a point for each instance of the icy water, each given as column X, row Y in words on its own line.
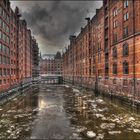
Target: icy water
column 61, row 112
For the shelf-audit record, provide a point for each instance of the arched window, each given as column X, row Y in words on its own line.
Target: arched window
column 115, row 68
column 115, row 12
column 125, row 49
column 114, row 52
column 125, row 3
column 125, row 68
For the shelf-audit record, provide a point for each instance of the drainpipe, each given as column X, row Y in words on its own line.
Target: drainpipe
column 134, row 74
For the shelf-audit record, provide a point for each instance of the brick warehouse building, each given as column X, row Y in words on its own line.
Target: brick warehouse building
column 51, row 64
column 5, row 45
column 105, row 54
column 35, row 53
column 15, row 48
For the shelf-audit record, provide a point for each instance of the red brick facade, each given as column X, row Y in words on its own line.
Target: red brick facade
column 105, row 54
column 15, row 48
column 51, row 64
column 4, row 46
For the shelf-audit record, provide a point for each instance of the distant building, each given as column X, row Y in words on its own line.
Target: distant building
column 51, row 64
column 35, row 58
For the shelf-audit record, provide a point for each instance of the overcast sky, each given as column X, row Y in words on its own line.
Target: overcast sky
column 52, row 22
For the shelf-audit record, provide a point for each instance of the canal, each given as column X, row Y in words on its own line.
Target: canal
column 63, row 112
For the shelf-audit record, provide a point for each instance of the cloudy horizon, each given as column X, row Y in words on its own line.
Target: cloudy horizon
column 52, row 22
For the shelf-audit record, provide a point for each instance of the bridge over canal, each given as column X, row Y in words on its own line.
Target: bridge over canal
column 51, row 79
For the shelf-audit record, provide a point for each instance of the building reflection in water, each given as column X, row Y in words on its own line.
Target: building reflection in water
column 82, row 106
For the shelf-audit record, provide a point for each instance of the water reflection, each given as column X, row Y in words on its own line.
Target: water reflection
column 16, row 116
column 58, row 112
column 97, row 118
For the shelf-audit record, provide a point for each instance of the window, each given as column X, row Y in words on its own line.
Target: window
column 0, row 82
column 125, row 68
column 8, row 40
column 4, row 59
column 126, row 3
column 114, row 52
column 0, row 59
column 115, row 37
column 0, row 71
column 0, row 22
column 0, row 47
column 125, row 50
column 125, row 32
column 115, row 24
column 0, row 35
column 4, row 81
column 4, row 37
column 8, row 71
column 115, row 12
column 99, row 57
column 99, row 72
column 0, row 10
column 4, row 71
column 94, row 59
column 126, row 16
column 94, row 70
column 114, row 81
column 114, row 68
column 99, row 46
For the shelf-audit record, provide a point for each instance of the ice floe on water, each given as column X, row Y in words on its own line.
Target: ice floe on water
column 100, row 101
column 22, row 115
column 15, row 99
column 94, row 105
column 67, row 86
column 5, row 121
column 131, row 119
column 80, row 129
column 36, row 110
column 11, row 111
column 100, row 136
column 114, row 132
column 75, row 90
column 103, row 109
column 4, row 115
column 136, row 130
column 99, row 115
column 48, row 90
column 91, row 134
column 107, row 126
column 91, row 101
column 74, row 136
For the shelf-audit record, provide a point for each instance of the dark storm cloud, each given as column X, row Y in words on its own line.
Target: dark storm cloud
column 54, row 21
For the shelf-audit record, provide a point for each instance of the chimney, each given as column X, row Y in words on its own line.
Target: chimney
column 88, row 19
column 72, row 39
